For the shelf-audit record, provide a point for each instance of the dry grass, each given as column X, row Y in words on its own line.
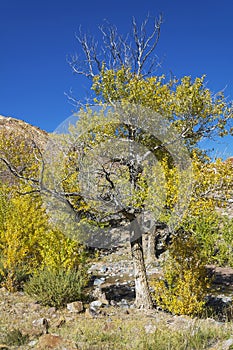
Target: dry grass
column 113, row 328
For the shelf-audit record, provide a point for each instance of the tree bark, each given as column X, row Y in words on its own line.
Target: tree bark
column 149, row 250
column 143, row 298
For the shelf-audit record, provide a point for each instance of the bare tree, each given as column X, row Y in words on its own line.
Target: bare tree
column 135, row 51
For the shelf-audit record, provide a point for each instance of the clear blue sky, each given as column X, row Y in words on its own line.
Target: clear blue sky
column 36, row 37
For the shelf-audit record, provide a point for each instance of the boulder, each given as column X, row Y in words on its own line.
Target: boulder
column 76, row 306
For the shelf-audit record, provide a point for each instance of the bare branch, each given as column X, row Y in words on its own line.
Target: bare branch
column 17, row 174
column 133, row 51
column 29, row 192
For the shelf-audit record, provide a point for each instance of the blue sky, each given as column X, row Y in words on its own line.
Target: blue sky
column 37, row 36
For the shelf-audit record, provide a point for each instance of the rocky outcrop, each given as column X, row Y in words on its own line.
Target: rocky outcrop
column 12, row 126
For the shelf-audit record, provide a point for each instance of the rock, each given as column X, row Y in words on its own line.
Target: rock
column 96, row 304
column 91, row 313
column 124, row 304
column 226, row 345
column 99, row 281
column 103, row 269
column 100, row 295
column 38, row 322
column 93, row 268
column 76, row 306
column 32, row 343
column 226, row 299
column 104, row 301
column 42, row 322
column 49, row 341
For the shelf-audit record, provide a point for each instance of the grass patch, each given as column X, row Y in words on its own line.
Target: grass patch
column 193, row 339
column 124, row 334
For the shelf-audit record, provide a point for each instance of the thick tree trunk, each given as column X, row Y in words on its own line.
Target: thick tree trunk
column 143, row 297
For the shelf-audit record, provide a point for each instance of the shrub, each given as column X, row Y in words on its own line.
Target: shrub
column 205, row 229
column 214, row 233
column 56, row 287
column 224, row 255
column 185, row 283
column 28, row 242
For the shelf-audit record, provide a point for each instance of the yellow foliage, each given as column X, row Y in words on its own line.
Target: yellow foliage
column 185, row 283
column 28, row 243
column 187, row 103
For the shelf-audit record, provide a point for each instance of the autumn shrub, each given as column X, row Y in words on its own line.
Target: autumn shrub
column 185, row 283
column 28, row 242
column 20, row 230
column 56, row 287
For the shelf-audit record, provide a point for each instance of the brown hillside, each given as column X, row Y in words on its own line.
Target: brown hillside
column 13, row 134
column 12, row 126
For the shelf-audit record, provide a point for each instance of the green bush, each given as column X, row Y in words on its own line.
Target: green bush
column 56, row 287
column 224, row 255
column 214, row 233
column 206, row 230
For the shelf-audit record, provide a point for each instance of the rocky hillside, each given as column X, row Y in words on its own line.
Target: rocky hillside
column 18, row 139
column 11, row 126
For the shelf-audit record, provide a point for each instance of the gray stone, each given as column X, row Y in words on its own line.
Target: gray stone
column 124, row 304
column 96, row 304
column 39, row 322
column 99, row 281
column 32, row 343
column 226, row 345
column 91, row 312
column 103, row 269
column 76, row 306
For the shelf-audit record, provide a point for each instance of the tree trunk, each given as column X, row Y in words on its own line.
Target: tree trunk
column 143, row 297
column 149, row 250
